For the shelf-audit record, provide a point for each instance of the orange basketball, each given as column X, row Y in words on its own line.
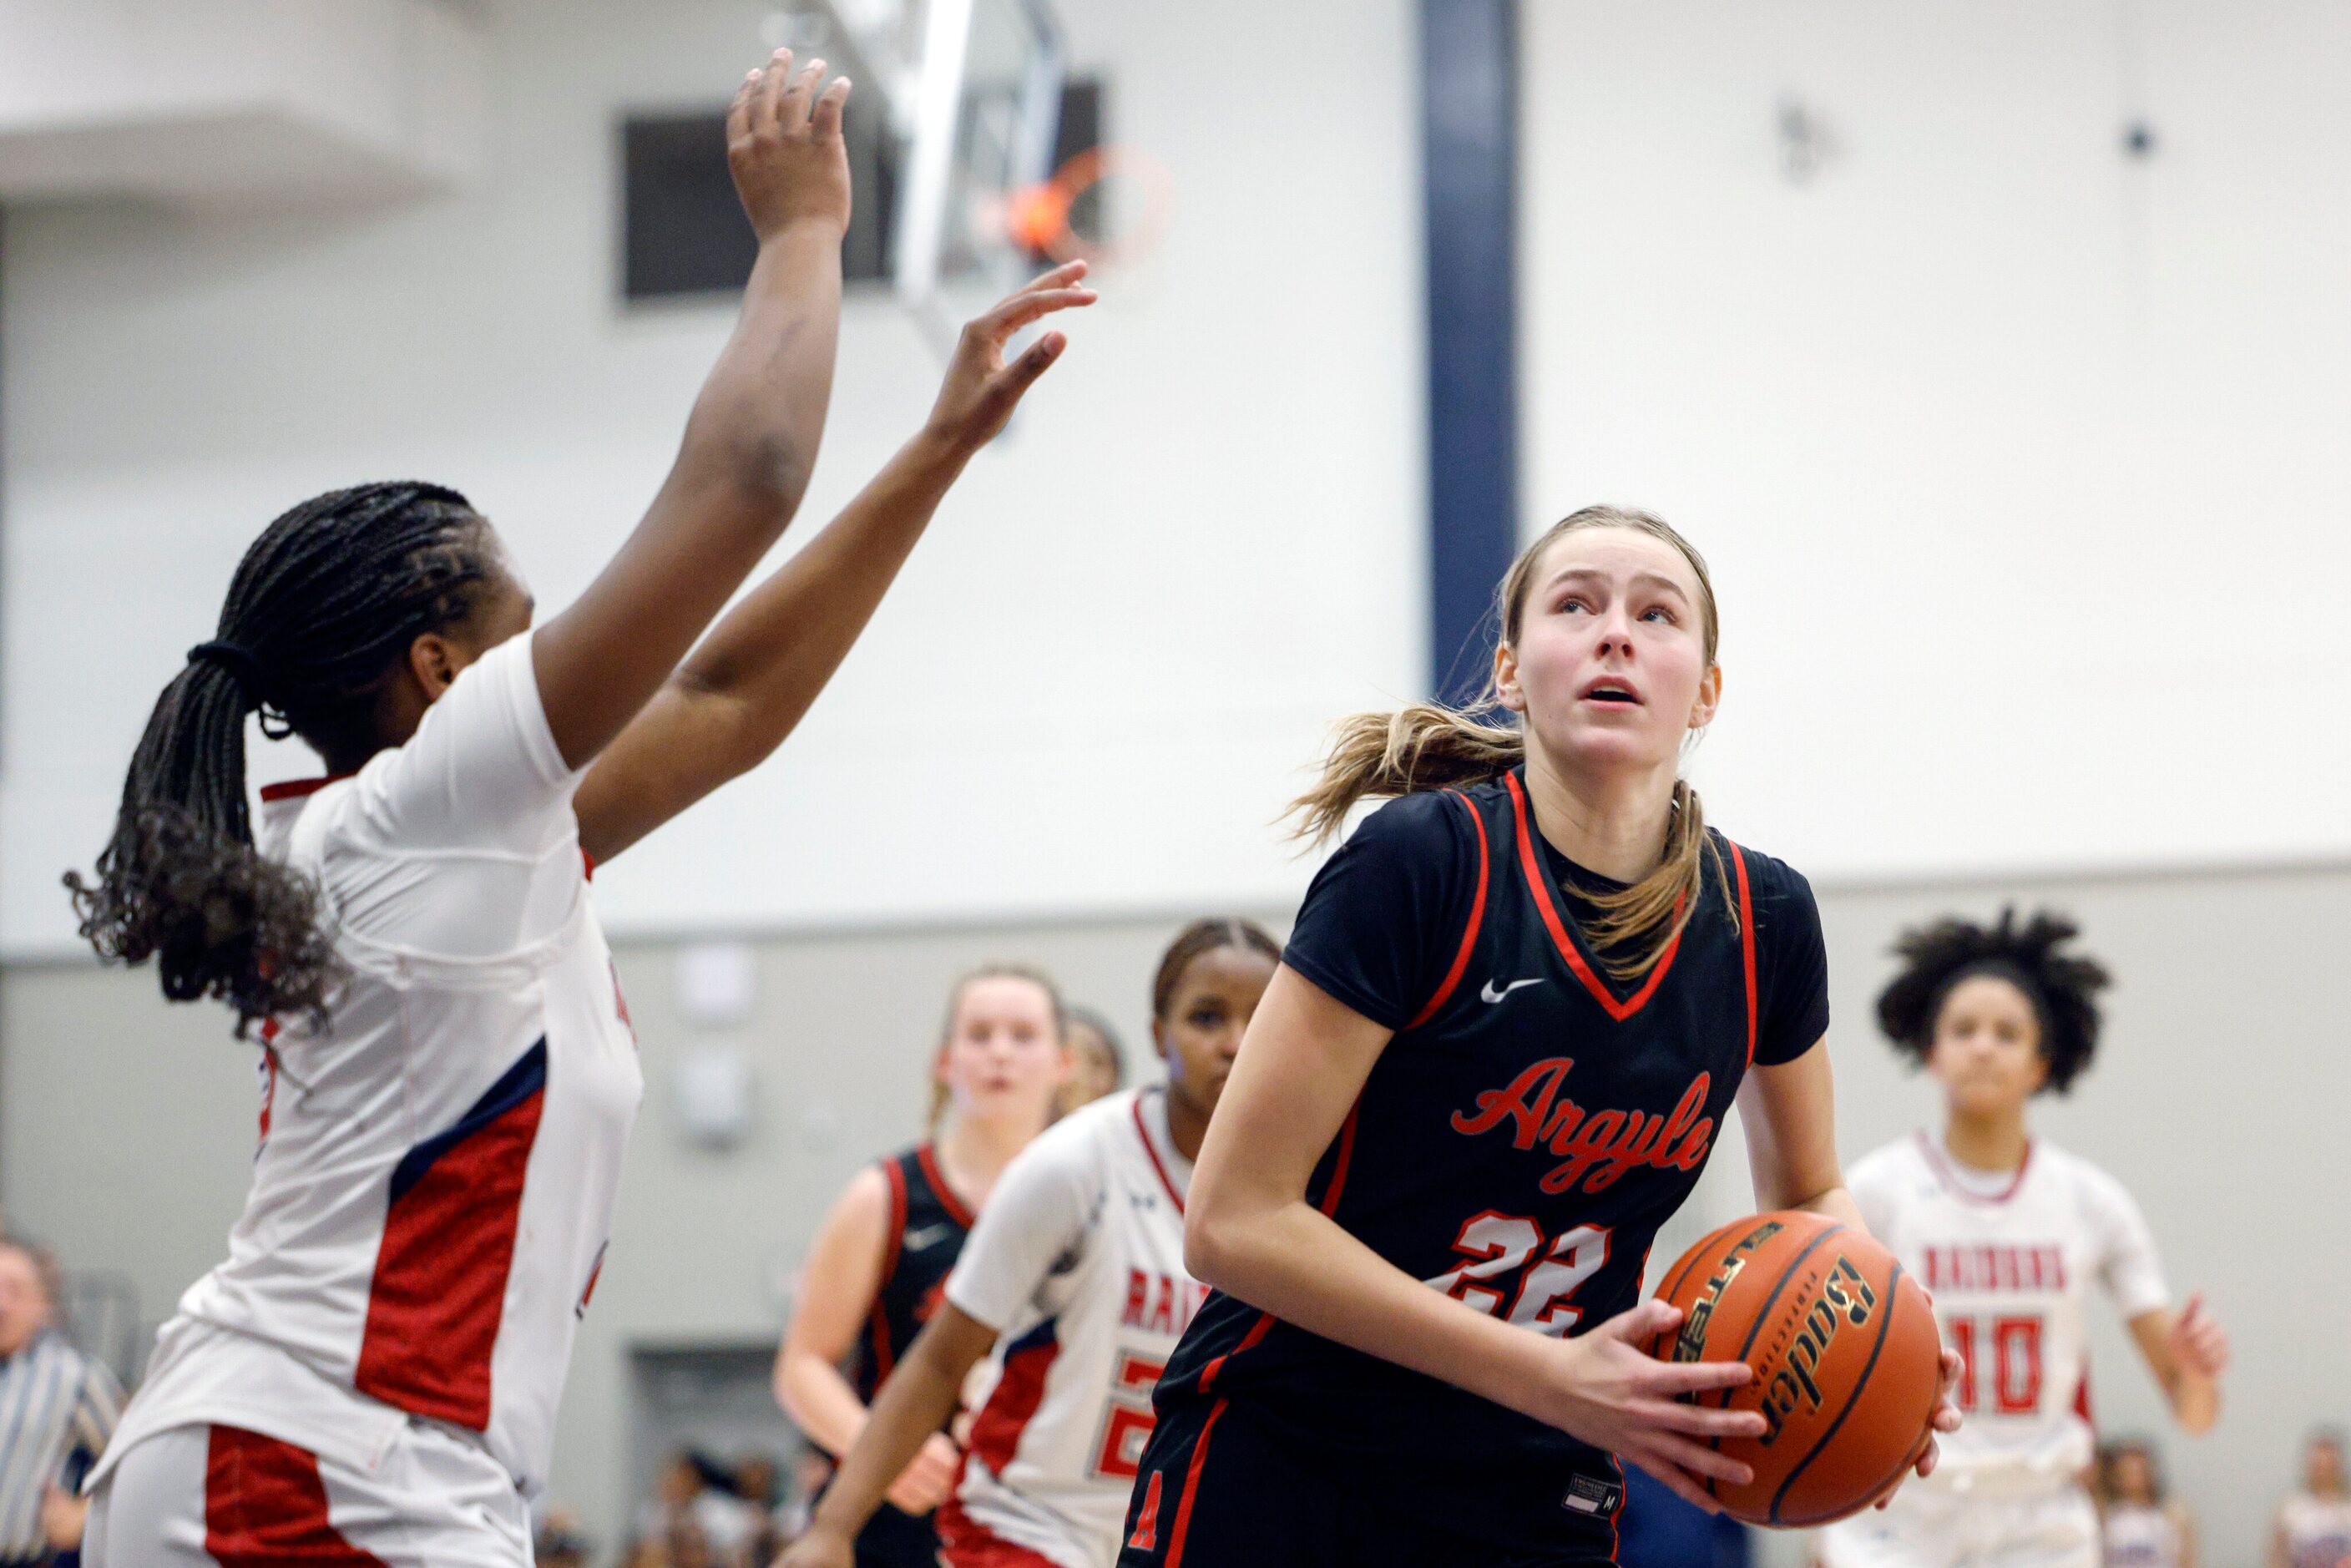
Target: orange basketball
column 1847, row 1361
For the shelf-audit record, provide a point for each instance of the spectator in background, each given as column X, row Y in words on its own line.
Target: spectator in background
column 57, row 1408
column 1099, row 1067
column 561, row 1543
column 2142, row 1528
column 809, row 1474
column 694, row 1519
column 2314, row 1523
column 755, row 1482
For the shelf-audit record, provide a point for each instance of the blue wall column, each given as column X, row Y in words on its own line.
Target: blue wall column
column 1469, row 137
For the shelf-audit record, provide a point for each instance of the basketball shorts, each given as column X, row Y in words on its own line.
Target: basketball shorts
column 1941, row 1527
column 1219, row 1488
column 222, row 1496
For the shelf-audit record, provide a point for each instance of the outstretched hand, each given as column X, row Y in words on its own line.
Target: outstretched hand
column 784, row 147
column 981, row 390
column 1616, row 1395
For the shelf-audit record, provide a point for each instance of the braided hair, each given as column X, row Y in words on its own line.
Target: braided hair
column 2062, row 987
column 1206, row 936
column 322, row 609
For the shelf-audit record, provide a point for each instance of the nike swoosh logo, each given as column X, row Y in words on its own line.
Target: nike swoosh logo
column 927, row 1236
column 1491, row 995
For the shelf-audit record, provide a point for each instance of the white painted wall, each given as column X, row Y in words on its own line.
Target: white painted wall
column 2021, row 462
column 1096, row 682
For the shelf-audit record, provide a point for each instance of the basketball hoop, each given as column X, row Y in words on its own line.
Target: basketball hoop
column 1039, row 218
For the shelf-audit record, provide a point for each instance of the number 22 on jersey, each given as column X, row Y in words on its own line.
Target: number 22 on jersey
column 1127, row 1420
column 1508, row 1269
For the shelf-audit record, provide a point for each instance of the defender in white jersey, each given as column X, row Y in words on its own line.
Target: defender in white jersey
column 1074, row 1276
column 2010, row 1235
column 373, row 1375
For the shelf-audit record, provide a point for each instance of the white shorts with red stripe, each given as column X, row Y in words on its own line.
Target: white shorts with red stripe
column 222, row 1496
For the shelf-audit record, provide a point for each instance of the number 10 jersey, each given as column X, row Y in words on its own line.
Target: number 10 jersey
column 2009, row 1260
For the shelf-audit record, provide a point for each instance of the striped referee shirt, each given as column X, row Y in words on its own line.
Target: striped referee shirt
column 54, row 1402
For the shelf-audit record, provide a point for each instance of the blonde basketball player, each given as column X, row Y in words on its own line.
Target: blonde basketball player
column 876, row 1271
column 1075, row 1275
column 371, row 1377
column 2010, row 1234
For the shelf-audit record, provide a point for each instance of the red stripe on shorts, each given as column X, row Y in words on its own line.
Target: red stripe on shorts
column 265, row 1507
column 965, row 1542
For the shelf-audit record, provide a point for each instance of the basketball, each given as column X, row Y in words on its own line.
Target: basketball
column 1845, row 1353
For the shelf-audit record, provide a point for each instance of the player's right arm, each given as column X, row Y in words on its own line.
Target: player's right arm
column 842, row 1276
column 751, row 443
column 1249, row 1230
column 920, row 1393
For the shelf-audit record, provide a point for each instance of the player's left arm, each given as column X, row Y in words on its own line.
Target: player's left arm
column 1788, row 1111
column 747, row 686
column 2187, row 1351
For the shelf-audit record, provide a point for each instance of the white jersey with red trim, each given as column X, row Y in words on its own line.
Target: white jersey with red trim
column 439, row 1162
column 2010, row 1258
column 1078, row 1263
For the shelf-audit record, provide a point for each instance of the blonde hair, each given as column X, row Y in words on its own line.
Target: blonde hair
column 1433, row 746
column 941, row 1096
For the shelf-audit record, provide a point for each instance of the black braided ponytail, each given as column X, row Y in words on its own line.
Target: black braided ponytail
column 321, row 609
column 2062, row 987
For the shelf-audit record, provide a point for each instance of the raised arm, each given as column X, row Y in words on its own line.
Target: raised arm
column 1249, row 1229
column 751, row 441
column 740, row 692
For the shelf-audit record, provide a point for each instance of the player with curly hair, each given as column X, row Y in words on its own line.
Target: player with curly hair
column 2006, row 1232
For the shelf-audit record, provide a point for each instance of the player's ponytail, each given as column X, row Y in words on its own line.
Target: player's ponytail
column 1433, row 746
column 324, row 602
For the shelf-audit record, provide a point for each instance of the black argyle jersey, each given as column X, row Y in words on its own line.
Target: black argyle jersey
column 927, row 1226
column 1517, row 1145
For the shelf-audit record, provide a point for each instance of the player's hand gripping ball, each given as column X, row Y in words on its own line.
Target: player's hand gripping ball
column 1846, row 1357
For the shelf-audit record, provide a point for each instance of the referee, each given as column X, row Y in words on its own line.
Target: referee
column 56, row 1405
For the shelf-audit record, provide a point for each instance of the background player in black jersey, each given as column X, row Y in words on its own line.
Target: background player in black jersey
column 1512, row 1014
column 875, row 1271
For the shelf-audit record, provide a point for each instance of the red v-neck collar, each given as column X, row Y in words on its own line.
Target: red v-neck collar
column 1150, row 1147
column 1539, row 884
column 1940, row 1161
column 927, row 1156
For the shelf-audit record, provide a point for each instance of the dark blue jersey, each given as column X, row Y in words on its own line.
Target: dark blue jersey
column 1518, row 1142
column 927, row 1226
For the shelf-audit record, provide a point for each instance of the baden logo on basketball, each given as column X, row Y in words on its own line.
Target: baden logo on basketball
column 1845, row 1297
column 1847, row 1363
